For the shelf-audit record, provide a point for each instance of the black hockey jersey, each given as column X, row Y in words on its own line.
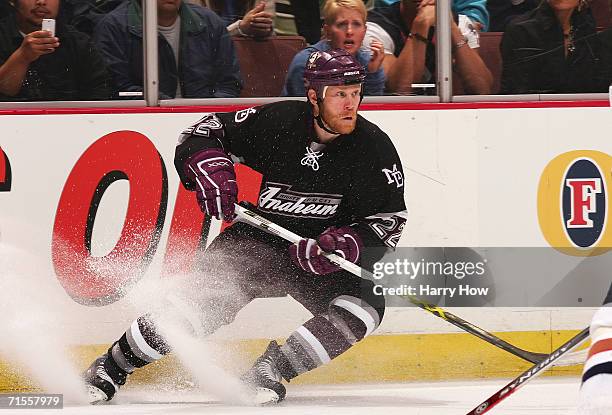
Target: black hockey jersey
column 355, row 180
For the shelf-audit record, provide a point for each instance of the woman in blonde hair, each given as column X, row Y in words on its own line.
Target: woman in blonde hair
column 344, row 27
column 555, row 49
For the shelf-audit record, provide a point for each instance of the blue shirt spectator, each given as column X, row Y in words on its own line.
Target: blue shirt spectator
column 294, row 85
column 345, row 28
column 196, row 60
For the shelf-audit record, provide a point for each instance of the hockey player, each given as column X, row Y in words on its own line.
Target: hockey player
column 596, row 390
column 329, row 175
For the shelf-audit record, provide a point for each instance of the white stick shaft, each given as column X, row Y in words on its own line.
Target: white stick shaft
column 253, row 219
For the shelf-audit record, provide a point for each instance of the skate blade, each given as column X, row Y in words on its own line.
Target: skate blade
column 96, row 395
column 265, row 396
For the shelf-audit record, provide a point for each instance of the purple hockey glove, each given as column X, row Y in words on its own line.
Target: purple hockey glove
column 215, row 178
column 343, row 241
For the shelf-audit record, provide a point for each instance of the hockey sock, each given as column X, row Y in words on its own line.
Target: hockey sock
column 325, row 337
column 139, row 345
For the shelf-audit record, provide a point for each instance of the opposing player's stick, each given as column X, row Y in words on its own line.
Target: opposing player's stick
column 253, row 219
column 530, row 374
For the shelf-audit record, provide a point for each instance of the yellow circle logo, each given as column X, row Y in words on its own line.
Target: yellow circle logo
column 574, row 202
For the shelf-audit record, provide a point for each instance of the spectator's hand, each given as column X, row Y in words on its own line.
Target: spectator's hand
column 478, row 26
column 378, row 54
column 425, row 18
column 36, row 44
column 257, row 22
column 423, row 3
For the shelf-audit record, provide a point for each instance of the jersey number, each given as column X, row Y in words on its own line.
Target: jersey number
column 389, row 230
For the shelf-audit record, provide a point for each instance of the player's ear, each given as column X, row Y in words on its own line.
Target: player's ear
column 312, row 98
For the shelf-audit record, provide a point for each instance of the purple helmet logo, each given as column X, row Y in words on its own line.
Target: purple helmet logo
column 333, row 67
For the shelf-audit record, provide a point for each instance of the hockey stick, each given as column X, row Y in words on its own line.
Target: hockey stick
column 482, row 334
column 530, row 374
column 247, row 216
column 574, row 358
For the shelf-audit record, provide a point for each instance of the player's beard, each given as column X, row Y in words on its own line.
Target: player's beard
column 337, row 123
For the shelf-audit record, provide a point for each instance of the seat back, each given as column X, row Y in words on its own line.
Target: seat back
column 264, row 63
column 601, row 12
column 490, row 54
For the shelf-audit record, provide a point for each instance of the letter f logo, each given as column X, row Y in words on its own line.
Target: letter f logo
column 583, row 201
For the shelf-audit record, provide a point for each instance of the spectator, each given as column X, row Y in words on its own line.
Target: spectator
column 302, row 17
column 554, row 49
column 503, row 11
column 345, row 28
column 36, row 66
column 476, row 10
column 406, row 31
column 250, row 18
column 196, row 54
column 307, row 15
column 85, row 14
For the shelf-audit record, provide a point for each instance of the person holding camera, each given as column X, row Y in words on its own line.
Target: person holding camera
column 37, row 65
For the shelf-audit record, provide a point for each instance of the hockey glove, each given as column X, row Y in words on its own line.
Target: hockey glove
column 215, row 178
column 343, row 241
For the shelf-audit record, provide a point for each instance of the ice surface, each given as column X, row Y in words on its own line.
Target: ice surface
column 542, row 396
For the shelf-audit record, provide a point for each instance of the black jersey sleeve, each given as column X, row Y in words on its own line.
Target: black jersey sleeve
column 234, row 132
column 378, row 202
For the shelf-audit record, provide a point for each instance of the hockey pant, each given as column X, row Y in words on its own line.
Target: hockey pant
column 244, row 263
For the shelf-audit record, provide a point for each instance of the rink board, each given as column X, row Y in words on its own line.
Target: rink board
column 472, row 178
column 391, row 358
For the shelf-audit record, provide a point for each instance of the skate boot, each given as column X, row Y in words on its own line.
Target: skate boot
column 103, row 379
column 264, row 378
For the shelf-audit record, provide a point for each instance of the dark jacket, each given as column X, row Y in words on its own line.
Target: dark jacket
column 6, row 9
column 240, row 8
column 207, row 66
column 504, row 11
column 534, row 58
column 74, row 72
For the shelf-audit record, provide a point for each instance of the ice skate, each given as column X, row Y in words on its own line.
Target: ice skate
column 264, row 378
column 103, row 379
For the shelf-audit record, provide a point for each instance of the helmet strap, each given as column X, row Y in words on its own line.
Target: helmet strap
column 321, row 124
column 318, row 117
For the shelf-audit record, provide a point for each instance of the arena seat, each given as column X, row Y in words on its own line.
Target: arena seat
column 264, row 63
column 601, row 12
column 490, row 54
